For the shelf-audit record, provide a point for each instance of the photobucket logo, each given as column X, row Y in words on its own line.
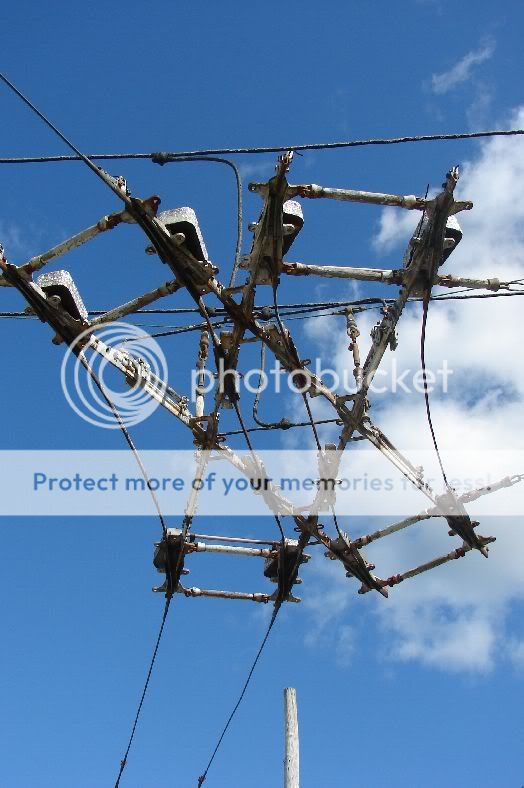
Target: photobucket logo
column 392, row 381
column 126, row 361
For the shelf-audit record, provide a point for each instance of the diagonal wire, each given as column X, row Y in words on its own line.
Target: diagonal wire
column 79, row 155
column 123, row 762
column 96, row 380
column 203, row 776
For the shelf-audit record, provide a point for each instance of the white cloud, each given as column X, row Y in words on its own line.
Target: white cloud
column 478, row 111
column 12, row 239
column 456, row 617
column 461, row 71
column 516, row 653
column 394, row 228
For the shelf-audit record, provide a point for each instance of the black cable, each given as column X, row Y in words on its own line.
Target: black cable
column 203, row 776
column 282, row 424
column 285, row 339
column 306, row 307
column 426, row 297
column 169, row 595
column 276, row 608
column 166, row 159
column 291, row 425
column 96, row 380
column 335, row 520
column 173, row 156
column 79, row 155
column 425, row 307
column 123, row 195
column 123, row 762
column 250, row 447
column 311, row 420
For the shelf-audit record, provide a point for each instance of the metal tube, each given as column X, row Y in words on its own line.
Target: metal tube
column 314, row 191
column 105, row 223
column 460, row 552
column 201, row 547
column 343, row 272
column 507, row 481
column 386, row 276
column 157, row 389
column 241, row 539
column 214, row 594
column 409, row 201
column 391, row 529
column 168, row 288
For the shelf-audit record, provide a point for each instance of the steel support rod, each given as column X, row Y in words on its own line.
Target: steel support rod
column 460, row 552
column 201, row 547
column 314, row 191
column 472, row 495
column 387, row 276
column 233, row 539
column 105, row 223
column 291, row 750
column 214, row 594
column 362, row 541
column 168, row 288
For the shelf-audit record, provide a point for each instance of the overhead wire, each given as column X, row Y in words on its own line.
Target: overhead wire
column 165, row 157
column 305, row 309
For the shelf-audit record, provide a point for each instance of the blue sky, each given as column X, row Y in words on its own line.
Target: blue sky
column 423, row 692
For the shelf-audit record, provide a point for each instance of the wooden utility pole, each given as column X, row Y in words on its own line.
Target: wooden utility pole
column 291, row 755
